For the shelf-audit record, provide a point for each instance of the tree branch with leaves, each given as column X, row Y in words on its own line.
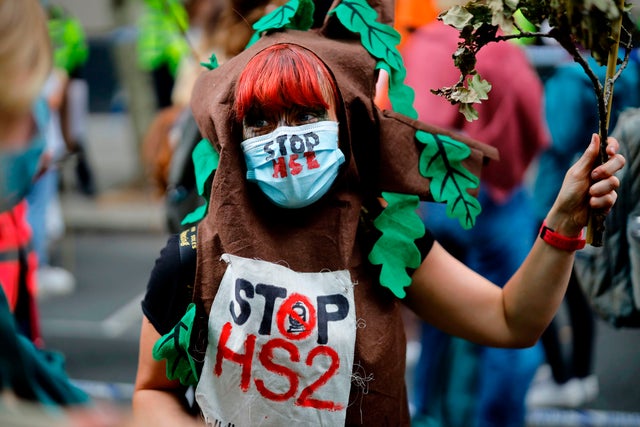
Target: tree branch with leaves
column 582, row 27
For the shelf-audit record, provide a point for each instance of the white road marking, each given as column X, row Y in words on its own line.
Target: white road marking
column 112, row 327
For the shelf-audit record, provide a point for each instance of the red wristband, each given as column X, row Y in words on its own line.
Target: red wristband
column 559, row 241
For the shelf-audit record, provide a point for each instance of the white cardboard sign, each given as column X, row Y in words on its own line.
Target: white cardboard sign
column 281, row 347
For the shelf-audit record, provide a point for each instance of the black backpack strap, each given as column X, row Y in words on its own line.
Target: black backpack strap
column 188, row 245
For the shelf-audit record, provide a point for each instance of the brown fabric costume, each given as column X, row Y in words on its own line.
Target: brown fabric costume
column 381, row 154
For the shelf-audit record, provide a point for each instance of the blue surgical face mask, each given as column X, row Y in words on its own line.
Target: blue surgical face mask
column 294, row 166
column 18, row 168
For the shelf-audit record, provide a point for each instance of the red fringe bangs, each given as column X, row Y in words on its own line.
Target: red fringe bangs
column 282, row 76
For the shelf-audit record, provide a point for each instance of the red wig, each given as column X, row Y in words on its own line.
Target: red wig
column 281, row 76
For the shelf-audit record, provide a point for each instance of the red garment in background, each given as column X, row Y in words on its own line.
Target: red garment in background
column 511, row 120
column 18, row 264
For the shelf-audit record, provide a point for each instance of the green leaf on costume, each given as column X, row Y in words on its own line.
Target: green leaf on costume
column 205, row 162
column 295, row 15
column 441, row 161
column 212, row 64
column 400, row 95
column 381, row 41
column 395, row 250
column 195, row 215
column 174, row 347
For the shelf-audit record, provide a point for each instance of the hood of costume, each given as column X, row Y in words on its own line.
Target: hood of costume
column 381, row 155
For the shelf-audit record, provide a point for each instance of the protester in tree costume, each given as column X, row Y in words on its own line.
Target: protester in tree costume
column 289, row 322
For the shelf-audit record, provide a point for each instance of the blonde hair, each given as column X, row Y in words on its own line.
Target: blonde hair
column 231, row 29
column 25, row 55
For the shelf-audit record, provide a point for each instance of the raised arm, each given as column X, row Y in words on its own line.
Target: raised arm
column 459, row 301
column 157, row 401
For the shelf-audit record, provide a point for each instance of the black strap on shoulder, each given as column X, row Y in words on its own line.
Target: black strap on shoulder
column 187, row 247
column 187, row 244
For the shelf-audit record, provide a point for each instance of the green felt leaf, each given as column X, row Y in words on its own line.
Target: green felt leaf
column 296, row 15
column 195, row 215
column 400, row 95
column 441, row 161
column 174, row 347
column 212, row 64
column 381, row 41
column 205, row 162
column 395, row 250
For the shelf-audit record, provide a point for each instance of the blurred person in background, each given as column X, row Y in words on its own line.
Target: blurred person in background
column 35, row 389
column 45, row 211
column 571, row 113
column 23, row 117
column 66, row 94
column 411, row 15
column 458, row 383
column 70, row 54
column 161, row 44
column 164, row 132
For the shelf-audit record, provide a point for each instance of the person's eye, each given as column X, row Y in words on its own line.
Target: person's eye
column 256, row 125
column 311, row 116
